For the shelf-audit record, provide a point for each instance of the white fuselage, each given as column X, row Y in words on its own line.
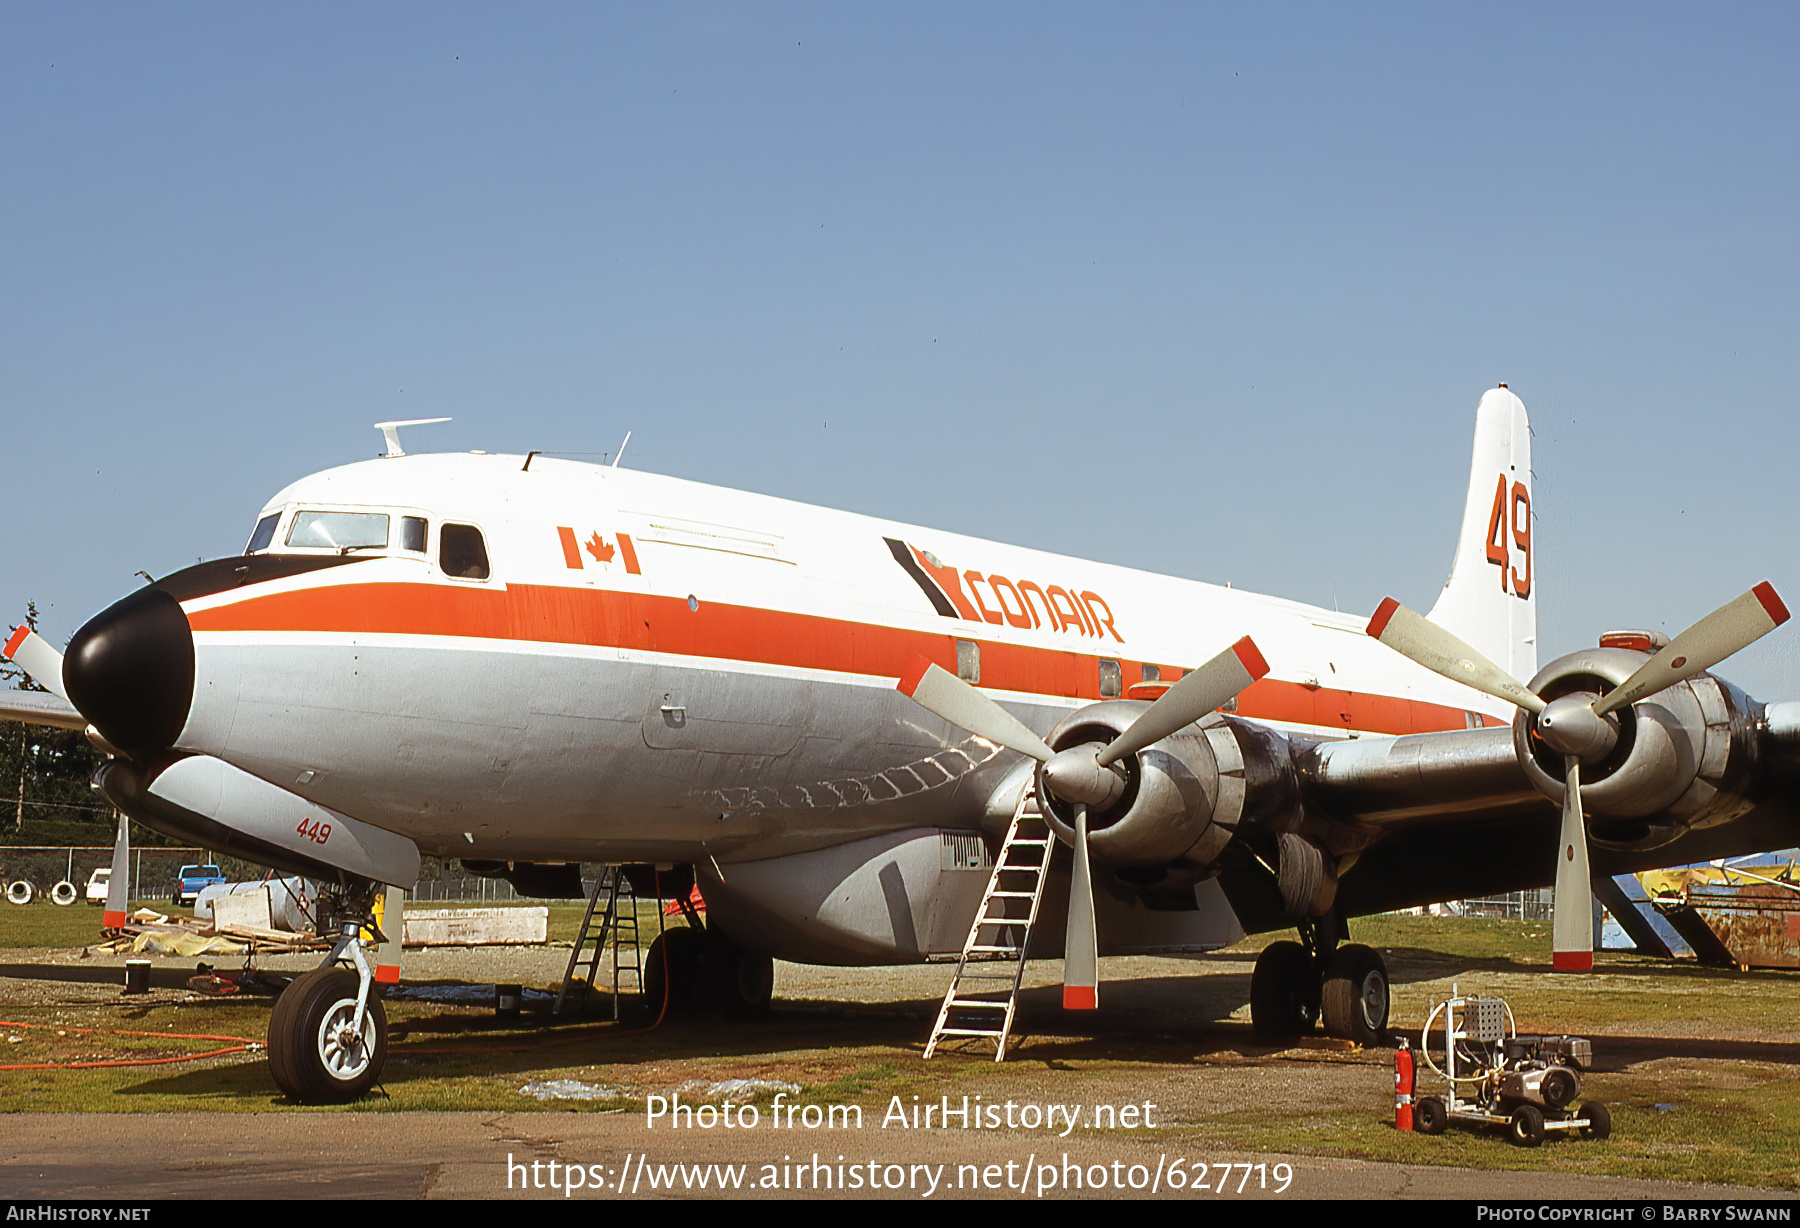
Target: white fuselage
column 658, row 670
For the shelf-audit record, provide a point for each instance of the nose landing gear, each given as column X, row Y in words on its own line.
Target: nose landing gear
column 328, row 1031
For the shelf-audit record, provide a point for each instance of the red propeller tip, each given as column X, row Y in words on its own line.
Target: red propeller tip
column 1383, row 612
column 914, row 675
column 1250, row 657
column 18, row 637
column 1570, row 961
column 1765, row 593
column 1081, row 998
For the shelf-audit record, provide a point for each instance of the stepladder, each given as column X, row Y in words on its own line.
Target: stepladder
column 616, row 924
column 984, row 993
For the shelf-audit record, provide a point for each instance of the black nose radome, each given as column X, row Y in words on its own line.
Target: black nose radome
column 130, row 671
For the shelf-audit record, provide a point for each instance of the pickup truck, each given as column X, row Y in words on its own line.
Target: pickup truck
column 193, row 879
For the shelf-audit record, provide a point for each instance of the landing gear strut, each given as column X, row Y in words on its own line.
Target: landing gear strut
column 328, row 1031
column 1296, row 984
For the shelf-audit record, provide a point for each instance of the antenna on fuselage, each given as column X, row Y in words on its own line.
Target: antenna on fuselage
column 390, row 431
column 621, row 454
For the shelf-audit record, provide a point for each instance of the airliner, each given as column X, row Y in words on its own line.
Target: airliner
column 829, row 723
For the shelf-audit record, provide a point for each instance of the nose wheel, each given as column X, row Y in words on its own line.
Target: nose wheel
column 316, row 1052
column 328, row 1031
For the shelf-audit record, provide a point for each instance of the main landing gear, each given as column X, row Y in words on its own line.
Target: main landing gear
column 1316, row 980
column 699, row 968
column 328, row 1031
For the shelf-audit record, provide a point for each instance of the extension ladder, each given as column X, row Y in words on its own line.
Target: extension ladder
column 981, row 1000
column 619, row 922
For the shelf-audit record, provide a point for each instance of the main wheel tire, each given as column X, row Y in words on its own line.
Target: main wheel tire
column 1526, row 1126
column 1284, row 992
column 312, row 1054
column 1599, row 1119
column 64, row 894
column 739, row 983
column 1430, row 1115
column 1353, row 1002
column 676, row 960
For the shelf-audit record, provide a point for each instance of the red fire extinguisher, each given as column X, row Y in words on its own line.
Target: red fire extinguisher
column 1403, row 1087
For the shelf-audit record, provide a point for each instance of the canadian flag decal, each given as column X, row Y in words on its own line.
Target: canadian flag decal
column 597, row 546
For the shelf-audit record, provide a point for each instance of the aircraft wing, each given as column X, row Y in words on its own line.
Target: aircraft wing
column 1430, row 817
column 40, row 708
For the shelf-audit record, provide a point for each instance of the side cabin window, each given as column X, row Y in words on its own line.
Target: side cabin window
column 968, row 661
column 265, row 533
column 461, row 552
column 1111, row 680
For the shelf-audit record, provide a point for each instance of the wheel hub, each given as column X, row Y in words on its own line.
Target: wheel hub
column 344, row 1054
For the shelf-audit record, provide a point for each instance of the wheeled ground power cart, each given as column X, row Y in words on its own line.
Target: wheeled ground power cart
column 1495, row 1077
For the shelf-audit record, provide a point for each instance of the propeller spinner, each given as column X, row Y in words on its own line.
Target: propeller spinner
column 1084, row 775
column 1582, row 728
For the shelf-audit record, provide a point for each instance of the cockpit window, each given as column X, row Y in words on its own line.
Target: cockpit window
column 265, row 533
column 412, row 533
column 462, row 553
column 339, row 530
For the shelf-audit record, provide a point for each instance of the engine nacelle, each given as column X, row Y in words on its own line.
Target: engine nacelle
column 1682, row 760
column 1185, row 796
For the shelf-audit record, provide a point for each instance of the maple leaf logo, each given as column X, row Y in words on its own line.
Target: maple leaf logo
column 597, row 547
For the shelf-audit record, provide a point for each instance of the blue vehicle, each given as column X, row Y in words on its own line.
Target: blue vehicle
column 192, row 880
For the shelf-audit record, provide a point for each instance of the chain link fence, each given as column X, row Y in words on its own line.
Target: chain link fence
column 154, row 871
column 1536, row 905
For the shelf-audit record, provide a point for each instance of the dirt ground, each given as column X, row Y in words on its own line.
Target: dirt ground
column 1703, row 1072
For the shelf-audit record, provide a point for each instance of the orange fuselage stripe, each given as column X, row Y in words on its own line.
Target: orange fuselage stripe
column 600, row 618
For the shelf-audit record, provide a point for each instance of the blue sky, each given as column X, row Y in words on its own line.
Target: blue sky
column 1206, row 290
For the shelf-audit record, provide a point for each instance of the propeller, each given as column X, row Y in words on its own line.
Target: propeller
column 1084, row 776
column 32, row 653
column 1581, row 727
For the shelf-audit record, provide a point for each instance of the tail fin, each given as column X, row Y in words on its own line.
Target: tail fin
column 1490, row 599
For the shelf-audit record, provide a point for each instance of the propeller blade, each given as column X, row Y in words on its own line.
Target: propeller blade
column 1423, row 642
column 32, row 653
column 1735, row 625
column 1572, row 924
column 118, row 886
column 1198, row 692
column 1081, row 945
column 942, row 693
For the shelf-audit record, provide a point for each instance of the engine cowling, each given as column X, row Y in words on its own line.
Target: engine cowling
column 1682, row 760
column 1185, row 797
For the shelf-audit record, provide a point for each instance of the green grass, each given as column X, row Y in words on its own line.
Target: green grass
column 43, row 924
column 1702, row 1067
column 1666, row 1126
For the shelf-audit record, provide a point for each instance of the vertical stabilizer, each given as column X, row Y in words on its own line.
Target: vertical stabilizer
column 1490, row 600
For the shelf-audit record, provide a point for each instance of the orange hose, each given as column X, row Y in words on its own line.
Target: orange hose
column 243, row 1043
